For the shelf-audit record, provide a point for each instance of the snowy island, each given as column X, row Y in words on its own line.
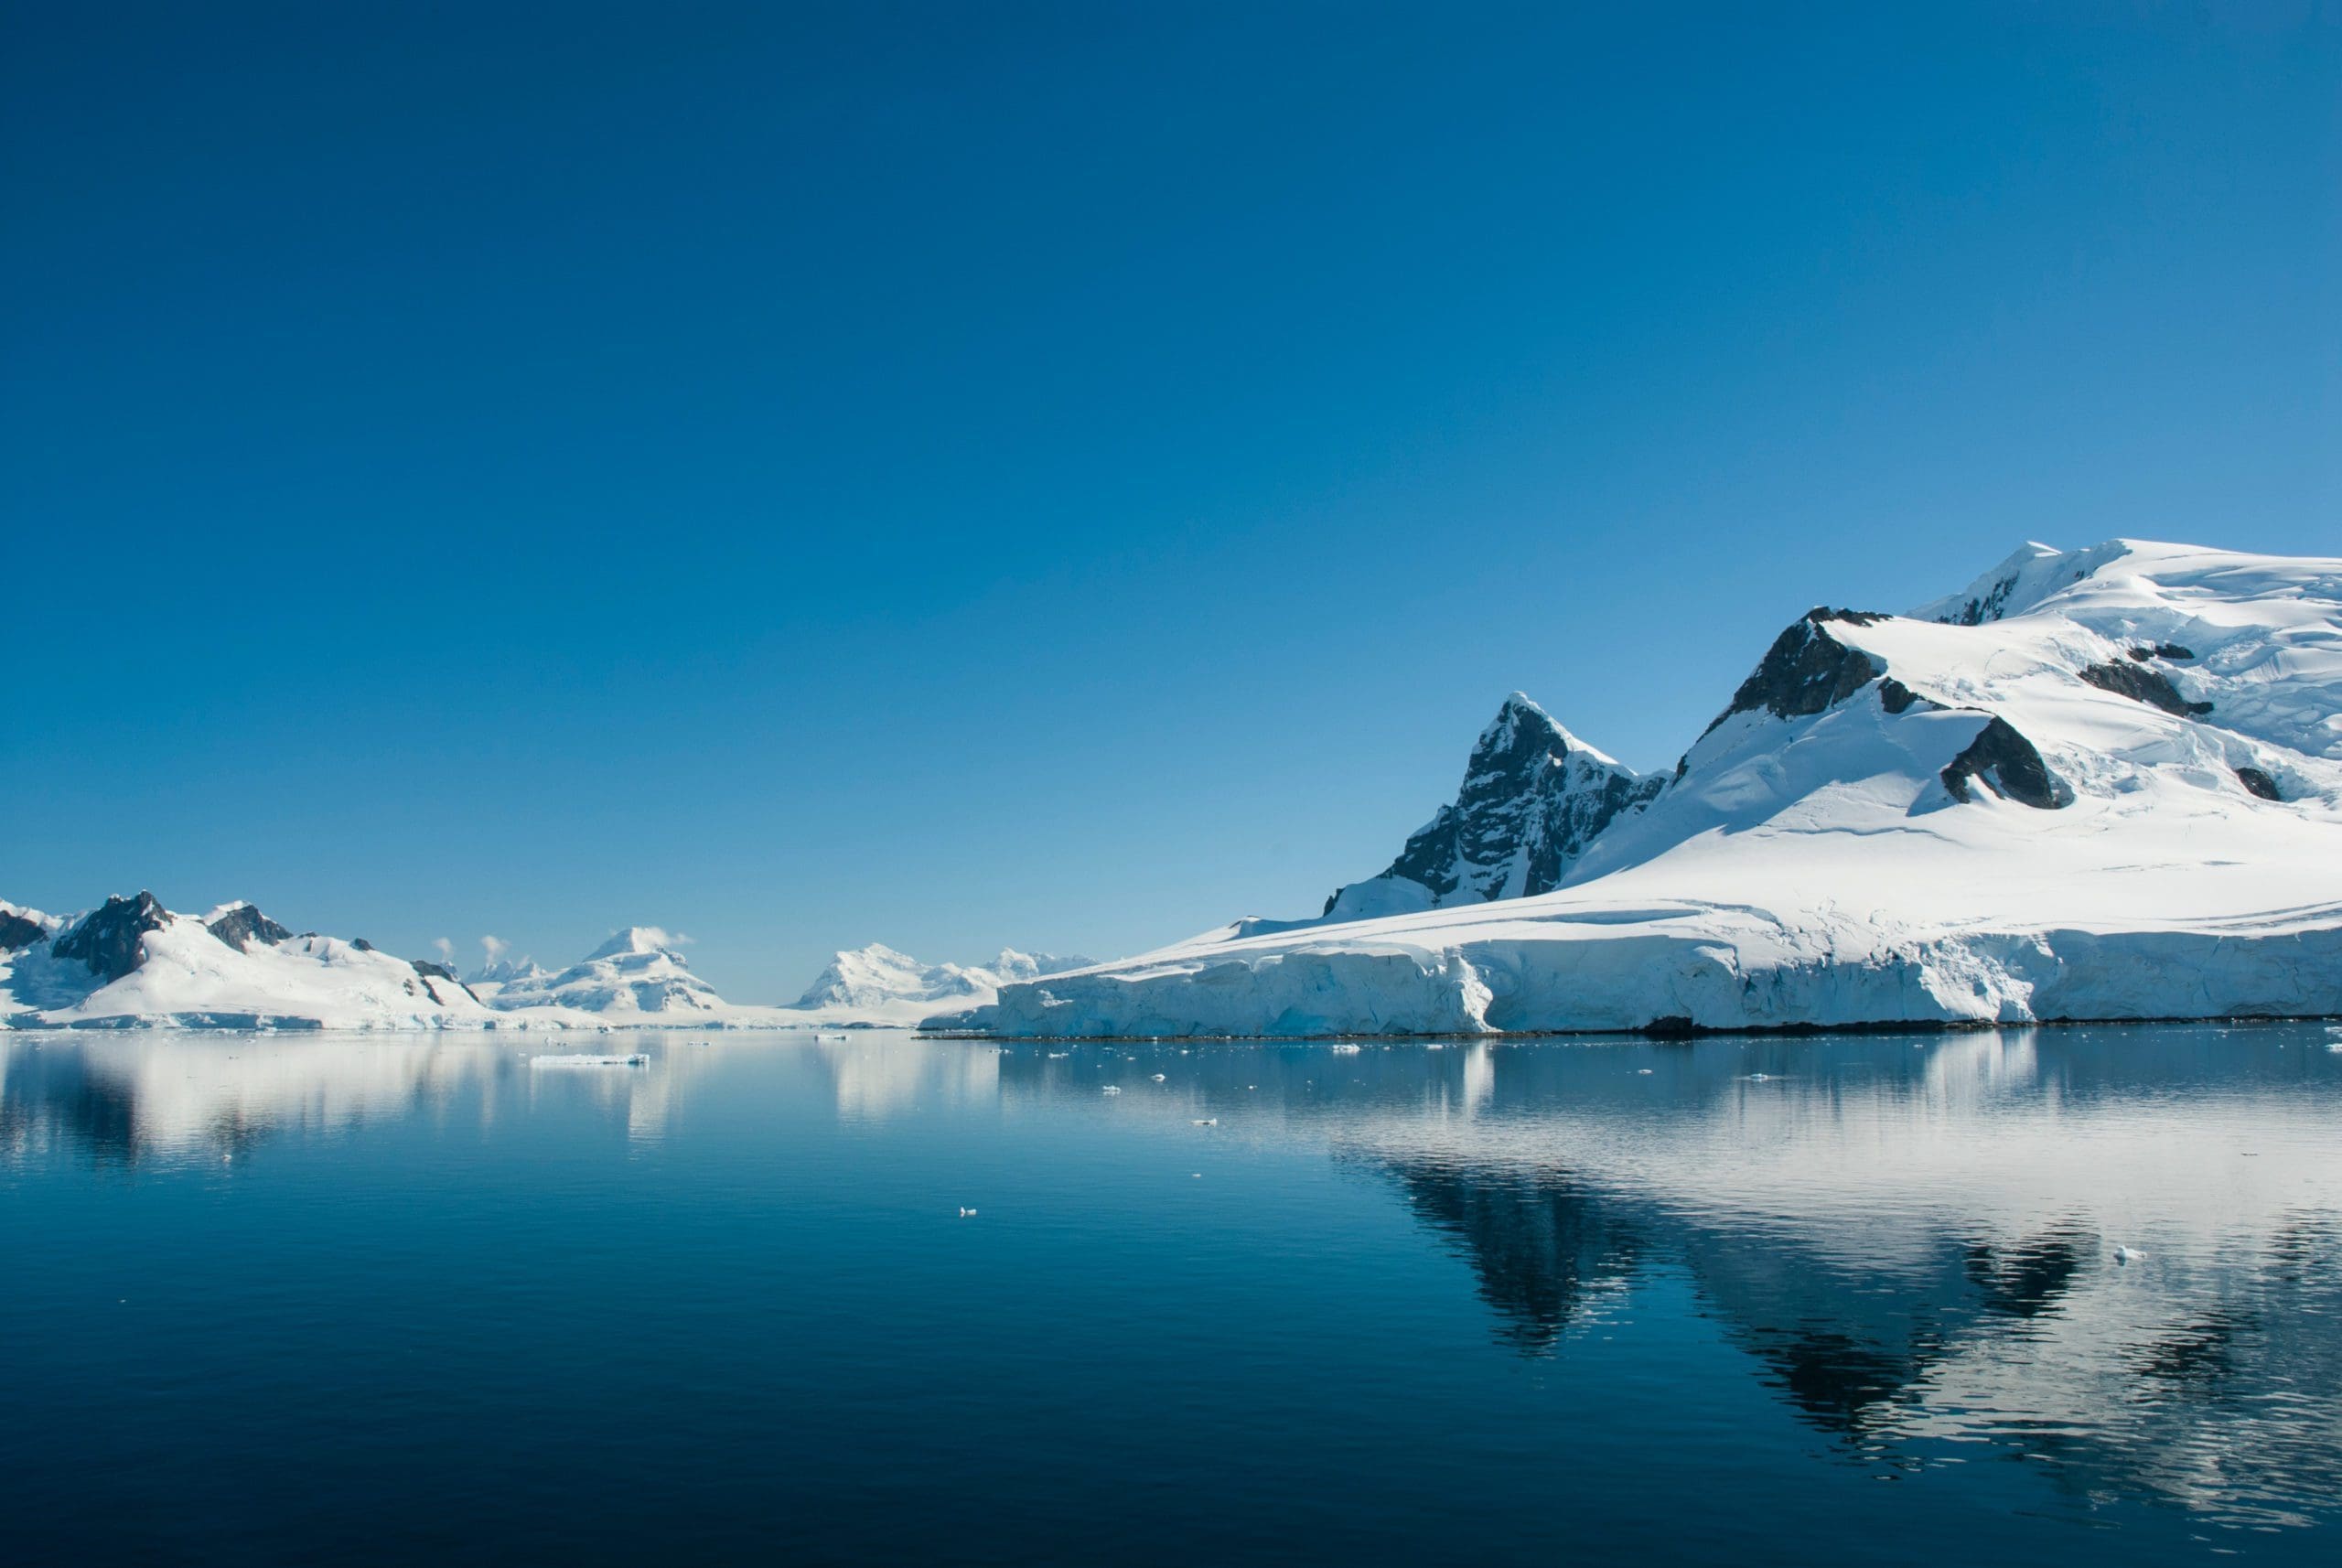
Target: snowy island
column 2098, row 785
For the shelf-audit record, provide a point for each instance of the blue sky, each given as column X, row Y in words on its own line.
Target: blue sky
column 1057, row 475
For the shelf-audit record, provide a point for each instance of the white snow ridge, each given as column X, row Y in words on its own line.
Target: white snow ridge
column 2098, row 785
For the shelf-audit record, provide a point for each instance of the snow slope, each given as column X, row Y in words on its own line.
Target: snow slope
column 2099, row 785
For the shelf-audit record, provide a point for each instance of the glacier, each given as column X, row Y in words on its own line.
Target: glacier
column 2094, row 785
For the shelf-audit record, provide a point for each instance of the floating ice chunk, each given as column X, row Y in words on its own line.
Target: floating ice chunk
column 1344, row 1050
column 1158, row 1078
column 1207, row 1121
column 1112, row 1088
column 636, row 1060
column 2128, row 1255
column 967, row 1213
column 1642, row 1072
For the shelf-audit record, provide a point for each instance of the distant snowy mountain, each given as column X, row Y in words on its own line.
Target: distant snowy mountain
column 876, row 986
column 131, row 962
column 501, row 971
column 635, row 973
column 2092, row 785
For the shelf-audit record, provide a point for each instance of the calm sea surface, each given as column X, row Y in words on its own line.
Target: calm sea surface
column 2064, row 1297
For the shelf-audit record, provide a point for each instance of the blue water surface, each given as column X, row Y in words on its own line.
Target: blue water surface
column 2062, row 1296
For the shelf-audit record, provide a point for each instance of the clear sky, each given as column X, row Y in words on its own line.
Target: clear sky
column 1061, row 476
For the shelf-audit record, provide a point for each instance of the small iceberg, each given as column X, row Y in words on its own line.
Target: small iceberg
column 1344, row 1050
column 1205, row 1121
column 1112, row 1088
column 636, row 1060
column 967, row 1213
column 2128, row 1255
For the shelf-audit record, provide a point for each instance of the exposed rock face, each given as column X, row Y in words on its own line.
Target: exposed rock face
column 1806, row 671
column 17, row 931
column 1897, row 698
column 428, row 971
column 2152, row 687
column 2160, row 651
column 2008, row 764
column 107, row 940
column 2259, row 782
column 244, row 925
column 1533, row 798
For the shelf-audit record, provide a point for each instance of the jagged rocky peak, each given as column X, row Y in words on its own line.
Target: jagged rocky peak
column 108, row 940
column 1533, row 798
column 240, row 925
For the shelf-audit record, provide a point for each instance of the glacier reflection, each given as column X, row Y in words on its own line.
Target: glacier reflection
column 2110, row 1255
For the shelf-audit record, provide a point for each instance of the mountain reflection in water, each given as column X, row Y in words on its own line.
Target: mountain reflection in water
column 2108, row 1254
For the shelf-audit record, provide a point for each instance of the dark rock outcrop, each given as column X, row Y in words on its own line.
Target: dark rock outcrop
column 244, row 925
column 2008, row 764
column 2160, row 651
column 1897, row 698
column 1807, row 670
column 428, row 971
column 362, row 945
column 107, row 940
column 2152, row 687
column 18, row 931
column 2259, row 782
column 1532, row 800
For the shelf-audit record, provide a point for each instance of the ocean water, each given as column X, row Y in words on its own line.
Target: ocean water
column 2062, row 1296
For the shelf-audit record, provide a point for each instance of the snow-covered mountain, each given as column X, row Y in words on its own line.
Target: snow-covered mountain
column 2102, row 784
column 132, row 962
column 502, row 970
column 876, row 986
column 637, row 971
